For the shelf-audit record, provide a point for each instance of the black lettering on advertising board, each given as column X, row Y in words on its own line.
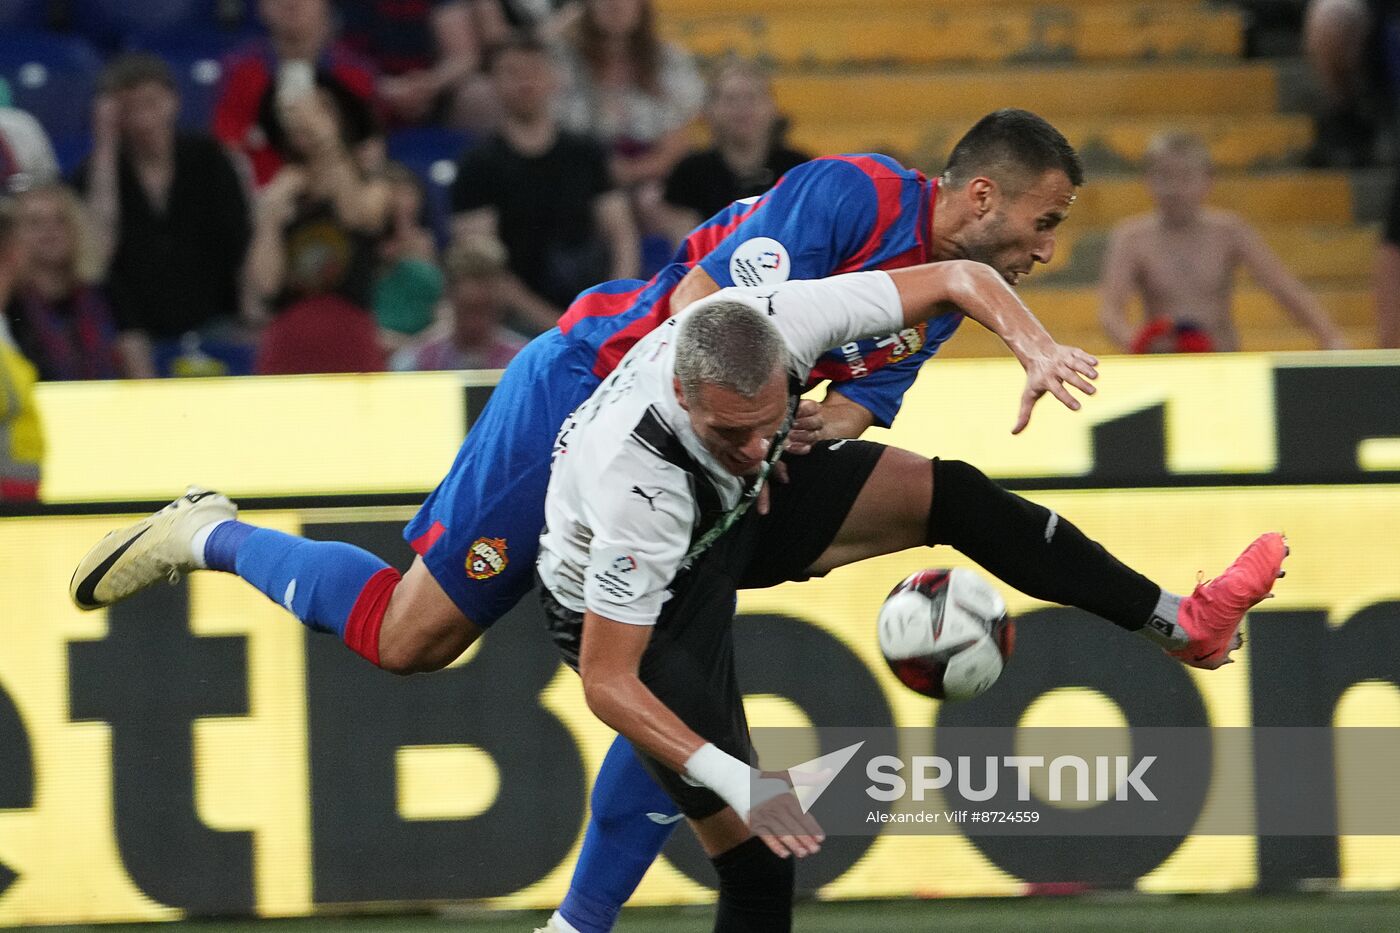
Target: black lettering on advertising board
column 16, row 770
column 149, row 679
column 358, row 719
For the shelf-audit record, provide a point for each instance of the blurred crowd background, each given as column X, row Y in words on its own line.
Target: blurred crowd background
column 225, row 187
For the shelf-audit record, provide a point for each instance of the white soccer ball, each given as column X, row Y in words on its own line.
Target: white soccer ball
column 945, row 633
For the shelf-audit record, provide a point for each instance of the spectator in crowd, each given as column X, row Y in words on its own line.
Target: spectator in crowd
column 629, row 88
column 1354, row 47
column 169, row 211
column 477, row 337
column 58, row 317
column 27, row 158
column 428, row 54
column 748, row 154
column 315, row 247
column 410, row 283
column 299, row 52
column 546, row 193
column 1182, row 258
column 21, row 440
column 1387, row 276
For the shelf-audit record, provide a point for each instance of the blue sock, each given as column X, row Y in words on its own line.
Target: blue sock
column 623, row 838
column 319, row 582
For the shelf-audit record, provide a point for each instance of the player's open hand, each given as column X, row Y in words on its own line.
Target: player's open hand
column 777, row 818
column 1054, row 371
column 807, row 426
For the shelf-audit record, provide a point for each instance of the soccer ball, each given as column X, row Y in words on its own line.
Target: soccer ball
column 945, row 633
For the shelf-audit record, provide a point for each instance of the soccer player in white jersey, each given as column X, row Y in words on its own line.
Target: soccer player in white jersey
column 650, row 533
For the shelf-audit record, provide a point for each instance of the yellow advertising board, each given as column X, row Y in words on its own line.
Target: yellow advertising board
column 195, row 751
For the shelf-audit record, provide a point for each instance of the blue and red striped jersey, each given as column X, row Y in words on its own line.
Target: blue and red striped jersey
column 832, row 215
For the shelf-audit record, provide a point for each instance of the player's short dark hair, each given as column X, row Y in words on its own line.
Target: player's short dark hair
column 134, row 69
column 1011, row 146
column 522, row 41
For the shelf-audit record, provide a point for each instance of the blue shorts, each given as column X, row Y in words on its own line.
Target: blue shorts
column 479, row 531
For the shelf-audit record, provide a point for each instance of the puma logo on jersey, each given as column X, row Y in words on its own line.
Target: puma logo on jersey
column 650, row 497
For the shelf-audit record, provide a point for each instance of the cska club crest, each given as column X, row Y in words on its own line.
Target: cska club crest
column 486, row 558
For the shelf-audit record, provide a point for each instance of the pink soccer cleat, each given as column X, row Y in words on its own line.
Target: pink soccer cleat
column 1212, row 614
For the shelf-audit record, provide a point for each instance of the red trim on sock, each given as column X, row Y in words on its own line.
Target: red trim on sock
column 362, row 628
column 427, row 539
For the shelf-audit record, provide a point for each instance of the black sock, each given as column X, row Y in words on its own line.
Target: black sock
column 1033, row 549
column 755, row 890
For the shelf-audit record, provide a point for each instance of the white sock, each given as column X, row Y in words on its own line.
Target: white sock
column 200, row 539
column 1163, row 628
column 557, row 924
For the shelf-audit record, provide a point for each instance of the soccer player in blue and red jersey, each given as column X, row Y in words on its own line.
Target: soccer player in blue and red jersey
column 1008, row 185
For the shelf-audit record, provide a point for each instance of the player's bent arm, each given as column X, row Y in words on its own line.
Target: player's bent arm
column 984, row 296
column 843, row 418
column 610, row 655
column 979, row 292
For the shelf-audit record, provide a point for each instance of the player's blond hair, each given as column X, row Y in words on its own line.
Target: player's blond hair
column 727, row 343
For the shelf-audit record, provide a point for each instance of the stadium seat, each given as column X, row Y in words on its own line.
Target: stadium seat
column 1249, row 141
column 113, row 23
column 432, row 153
column 919, row 35
column 53, row 77
column 24, row 14
column 71, row 150
column 195, row 54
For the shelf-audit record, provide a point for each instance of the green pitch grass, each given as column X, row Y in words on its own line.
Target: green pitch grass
column 1088, row 914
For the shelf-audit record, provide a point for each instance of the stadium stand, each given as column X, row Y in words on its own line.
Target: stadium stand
column 24, row 14
column 195, row 53
column 908, row 76
column 901, row 76
column 53, row 77
column 432, row 152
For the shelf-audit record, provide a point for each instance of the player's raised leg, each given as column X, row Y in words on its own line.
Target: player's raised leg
column 401, row 623
column 476, row 536
column 1043, row 555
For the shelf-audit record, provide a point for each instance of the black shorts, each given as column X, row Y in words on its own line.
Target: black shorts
column 689, row 663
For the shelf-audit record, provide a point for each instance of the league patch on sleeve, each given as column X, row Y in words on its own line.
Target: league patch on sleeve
column 760, row 261
column 617, row 576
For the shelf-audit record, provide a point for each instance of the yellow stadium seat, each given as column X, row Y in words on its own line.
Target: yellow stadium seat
column 1236, row 142
column 1057, row 93
column 956, row 34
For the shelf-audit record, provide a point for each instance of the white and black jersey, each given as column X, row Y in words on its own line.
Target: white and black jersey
column 634, row 494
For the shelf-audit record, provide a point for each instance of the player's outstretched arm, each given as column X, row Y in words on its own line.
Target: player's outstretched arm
column 983, row 295
column 610, row 655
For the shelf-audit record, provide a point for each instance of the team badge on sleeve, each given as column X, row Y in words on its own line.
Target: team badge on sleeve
column 760, row 261
column 486, row 558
